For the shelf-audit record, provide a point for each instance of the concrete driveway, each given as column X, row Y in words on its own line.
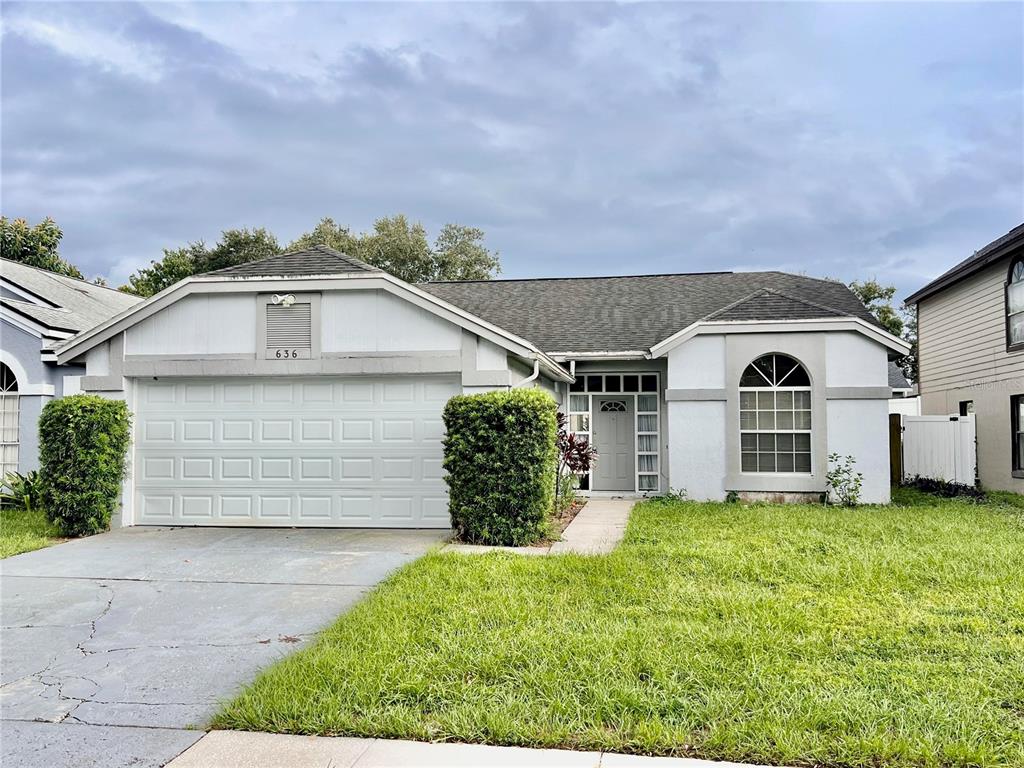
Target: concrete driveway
column 112, row 647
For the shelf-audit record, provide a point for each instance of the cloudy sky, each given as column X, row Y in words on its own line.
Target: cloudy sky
column 844, row 139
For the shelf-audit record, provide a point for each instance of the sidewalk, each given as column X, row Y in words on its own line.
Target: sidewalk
column 241, row 749
column 596, row 530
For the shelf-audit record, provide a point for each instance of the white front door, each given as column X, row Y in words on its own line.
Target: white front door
column 614, row 432
column 312, row 451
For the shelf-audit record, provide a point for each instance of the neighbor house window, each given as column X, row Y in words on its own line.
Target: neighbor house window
column 9, row 406
column 775, row 416
column 1017, row 432
column 1015, row 304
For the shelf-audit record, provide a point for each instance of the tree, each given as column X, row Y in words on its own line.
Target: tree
column 878, row 299
column 35, row 246
column 903, row 323
column 908, row 363
column 236, row 246
column 459, row 254
column 330, row 234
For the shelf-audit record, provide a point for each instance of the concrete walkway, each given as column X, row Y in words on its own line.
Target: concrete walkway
column 596, row 530
column 238, row 749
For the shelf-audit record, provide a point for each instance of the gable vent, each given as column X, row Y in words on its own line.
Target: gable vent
column 289, row 328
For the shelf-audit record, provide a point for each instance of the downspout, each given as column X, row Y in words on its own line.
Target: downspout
column 532, row 377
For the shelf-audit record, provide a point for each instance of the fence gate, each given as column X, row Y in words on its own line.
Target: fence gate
column 940, row 447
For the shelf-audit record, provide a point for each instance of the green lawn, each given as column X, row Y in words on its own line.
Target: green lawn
column 776, row 634
column 22, row 531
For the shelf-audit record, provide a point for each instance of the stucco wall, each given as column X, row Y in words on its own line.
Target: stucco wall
column 849, row 411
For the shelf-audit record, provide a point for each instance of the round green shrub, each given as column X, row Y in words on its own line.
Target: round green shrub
column 499, row 452
column 83, row 440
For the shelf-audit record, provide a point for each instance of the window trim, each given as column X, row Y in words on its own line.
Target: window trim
column 1011, row 346
column 776, row 388
column 1016, row 460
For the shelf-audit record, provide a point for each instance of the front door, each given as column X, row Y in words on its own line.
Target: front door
column 614, row 433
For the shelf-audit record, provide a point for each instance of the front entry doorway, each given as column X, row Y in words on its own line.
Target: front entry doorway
column 614, row 435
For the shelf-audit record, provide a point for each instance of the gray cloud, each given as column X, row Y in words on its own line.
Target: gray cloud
column 849, row 141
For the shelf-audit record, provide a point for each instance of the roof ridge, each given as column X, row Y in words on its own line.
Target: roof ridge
column 579, row 277
column 321, row 248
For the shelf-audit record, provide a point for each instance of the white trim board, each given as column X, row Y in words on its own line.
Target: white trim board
column 855, row 324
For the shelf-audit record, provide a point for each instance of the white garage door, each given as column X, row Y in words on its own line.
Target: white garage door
column 284, row 452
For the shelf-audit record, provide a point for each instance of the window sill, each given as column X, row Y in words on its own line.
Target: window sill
column 1018, row 473
column 1011, row 348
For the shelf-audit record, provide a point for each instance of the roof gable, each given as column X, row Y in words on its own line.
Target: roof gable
column 315, row 260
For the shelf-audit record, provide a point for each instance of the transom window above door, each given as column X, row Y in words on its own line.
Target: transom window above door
column 613, row 406
column 615, row 382
column 775, row 416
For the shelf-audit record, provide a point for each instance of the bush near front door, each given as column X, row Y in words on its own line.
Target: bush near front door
column 83, row 440
column 499, row 452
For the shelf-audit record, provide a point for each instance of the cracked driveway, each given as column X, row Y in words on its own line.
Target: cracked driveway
column 113, row 647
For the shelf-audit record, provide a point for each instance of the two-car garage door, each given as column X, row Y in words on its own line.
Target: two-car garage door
column 291, row 452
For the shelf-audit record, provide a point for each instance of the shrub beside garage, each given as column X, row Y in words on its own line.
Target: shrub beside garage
column 83, row 441
column 499, row 452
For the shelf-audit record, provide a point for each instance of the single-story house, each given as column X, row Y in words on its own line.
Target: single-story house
column 39, row 309
column 306, row 389
column 970, row 329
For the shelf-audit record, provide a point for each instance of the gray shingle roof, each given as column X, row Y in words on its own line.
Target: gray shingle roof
column 998, row 249
column 77, row 305
column 896, row 378
column 598, row 314
column 316, row 260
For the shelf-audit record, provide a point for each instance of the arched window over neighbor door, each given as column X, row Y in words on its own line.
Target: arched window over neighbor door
column 9, row 408
column 775, row 416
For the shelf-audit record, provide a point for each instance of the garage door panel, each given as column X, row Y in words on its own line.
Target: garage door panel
column 253, row 452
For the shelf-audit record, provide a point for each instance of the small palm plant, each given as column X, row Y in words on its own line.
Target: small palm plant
column 20, row 491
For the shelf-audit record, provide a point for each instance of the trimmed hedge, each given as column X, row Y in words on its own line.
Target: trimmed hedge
column 500, row 455
column 83, row 440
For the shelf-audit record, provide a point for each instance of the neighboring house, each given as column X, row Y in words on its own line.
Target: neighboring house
column 904, row 397
column 971, row 353
column 38, row 309
column 307, row 388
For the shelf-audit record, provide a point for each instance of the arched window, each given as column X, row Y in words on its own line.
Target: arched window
column 8, row 421
column 1015, row 304
column 775, row 416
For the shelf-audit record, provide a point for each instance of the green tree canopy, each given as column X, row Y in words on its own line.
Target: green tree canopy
column 878, row 299
column 236, row 246
column 35, row 245
column 395, row 245
column 402, row 248
column 903, row 323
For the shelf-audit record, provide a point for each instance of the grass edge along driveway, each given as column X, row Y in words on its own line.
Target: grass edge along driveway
column 24, row 531
column 776, row 634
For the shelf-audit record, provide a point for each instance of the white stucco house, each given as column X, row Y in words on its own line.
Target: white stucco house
column 306, row 389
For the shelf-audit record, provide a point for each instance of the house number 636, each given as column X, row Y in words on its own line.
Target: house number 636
column 282, row 354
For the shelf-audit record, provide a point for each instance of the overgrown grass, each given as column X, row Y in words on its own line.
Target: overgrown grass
column 776, row 634
column 23, row 531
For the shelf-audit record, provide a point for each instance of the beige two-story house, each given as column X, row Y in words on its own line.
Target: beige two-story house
column 971, row 353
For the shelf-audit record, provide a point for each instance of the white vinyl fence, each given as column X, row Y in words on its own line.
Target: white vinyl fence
column 940, row 447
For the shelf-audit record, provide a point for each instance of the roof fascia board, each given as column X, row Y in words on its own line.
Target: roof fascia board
column 856, row 324
column 626, row 354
